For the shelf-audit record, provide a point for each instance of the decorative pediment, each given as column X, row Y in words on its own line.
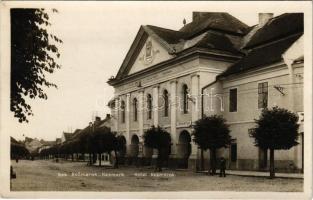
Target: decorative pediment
column 150, row 53
column 147, row 50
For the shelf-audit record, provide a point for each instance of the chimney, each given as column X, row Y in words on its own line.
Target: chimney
column 97, row 121
column 196, row 16
column 264, row 17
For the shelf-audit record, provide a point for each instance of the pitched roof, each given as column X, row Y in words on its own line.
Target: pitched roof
column 170, row 36
column 67, row 136
column 262, row 56
column 217, row 41
column 14, row 141
column 277, row 27
column 189, row 36
column 221, row 21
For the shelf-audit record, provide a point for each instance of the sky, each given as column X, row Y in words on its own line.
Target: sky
column 96, row 39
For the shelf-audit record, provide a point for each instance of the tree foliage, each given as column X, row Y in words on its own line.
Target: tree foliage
column 277, row 128
column 33, row 55
column 92, row 140
column 160, row 139
column 211, row 132
column 18, row 149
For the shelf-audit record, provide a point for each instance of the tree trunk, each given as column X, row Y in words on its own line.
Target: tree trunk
column 116, row 160
column 159, row 162
column 72, row 157
column 94, row 158
column 213, row 161
column 202, row 160
column 210, row 163
column 90, row 161
column 99, row 159
column 272, row 166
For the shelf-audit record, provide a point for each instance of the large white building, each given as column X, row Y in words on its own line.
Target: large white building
column 214, row 65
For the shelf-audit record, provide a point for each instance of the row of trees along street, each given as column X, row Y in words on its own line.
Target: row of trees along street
column 92, row 141
column 276, row 129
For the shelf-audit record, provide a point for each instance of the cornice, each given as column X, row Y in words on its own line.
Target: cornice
column 195, row 53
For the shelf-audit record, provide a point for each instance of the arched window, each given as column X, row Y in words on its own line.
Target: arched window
column 135, row 106
column 123, row 111
column 185, row 98
column 149, row 106
column 165, row 96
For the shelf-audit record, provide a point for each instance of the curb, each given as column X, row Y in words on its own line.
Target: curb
column 257, row 176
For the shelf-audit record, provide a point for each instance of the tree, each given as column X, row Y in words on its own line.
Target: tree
column 276, row 129
column 160, row 139
column 33, row 55
column 212, row 133
column 105, row 141
column 18, row 149
column 121, row 147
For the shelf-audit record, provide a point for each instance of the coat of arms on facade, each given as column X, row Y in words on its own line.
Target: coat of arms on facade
column 149, row 53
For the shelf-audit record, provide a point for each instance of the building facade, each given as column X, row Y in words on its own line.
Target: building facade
column 173, row 78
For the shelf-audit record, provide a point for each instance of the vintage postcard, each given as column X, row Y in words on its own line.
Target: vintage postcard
column 160, row 100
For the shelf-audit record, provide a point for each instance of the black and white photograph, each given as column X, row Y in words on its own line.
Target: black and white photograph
column 156, row 99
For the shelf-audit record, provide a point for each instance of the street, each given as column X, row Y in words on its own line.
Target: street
column 47, row 175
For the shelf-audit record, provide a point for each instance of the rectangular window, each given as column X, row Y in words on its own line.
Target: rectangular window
column 262, row 95
column 233, row 152
column 233, row 100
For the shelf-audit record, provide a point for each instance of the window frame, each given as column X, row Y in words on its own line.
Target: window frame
column 233, row 153
column 233, row 103
column 262, row 95
column 135, row 109
column 185, row 99
column 123, row 114
column 149, row 106
column 166, row 102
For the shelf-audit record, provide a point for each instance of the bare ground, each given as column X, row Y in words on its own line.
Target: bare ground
column 46, row 175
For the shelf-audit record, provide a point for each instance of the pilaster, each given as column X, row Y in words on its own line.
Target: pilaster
column 195, row 97
column 155, row 104
column 127, row 118
column 173, row 108
column 116, row 113
column 140, row 111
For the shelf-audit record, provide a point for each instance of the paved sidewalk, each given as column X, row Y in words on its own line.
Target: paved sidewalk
column 260, row 174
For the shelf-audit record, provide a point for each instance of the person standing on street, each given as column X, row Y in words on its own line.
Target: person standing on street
column 222, row 167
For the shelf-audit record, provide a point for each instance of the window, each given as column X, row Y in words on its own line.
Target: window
column 262, row 95
column 185, row 98
column 123, row 111
column 165, row 96
column 233, row 152
column 135, row 106
column 149, row 106
column 233, row 100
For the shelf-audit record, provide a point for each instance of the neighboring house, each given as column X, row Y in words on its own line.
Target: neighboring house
column 66, row 136
column 46, row 145
column 164, row 73
column 107, row 122
column 58, row 140
column 32, row 145
column 271, row 74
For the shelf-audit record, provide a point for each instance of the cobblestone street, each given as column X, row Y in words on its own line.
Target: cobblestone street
column 46, row 175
